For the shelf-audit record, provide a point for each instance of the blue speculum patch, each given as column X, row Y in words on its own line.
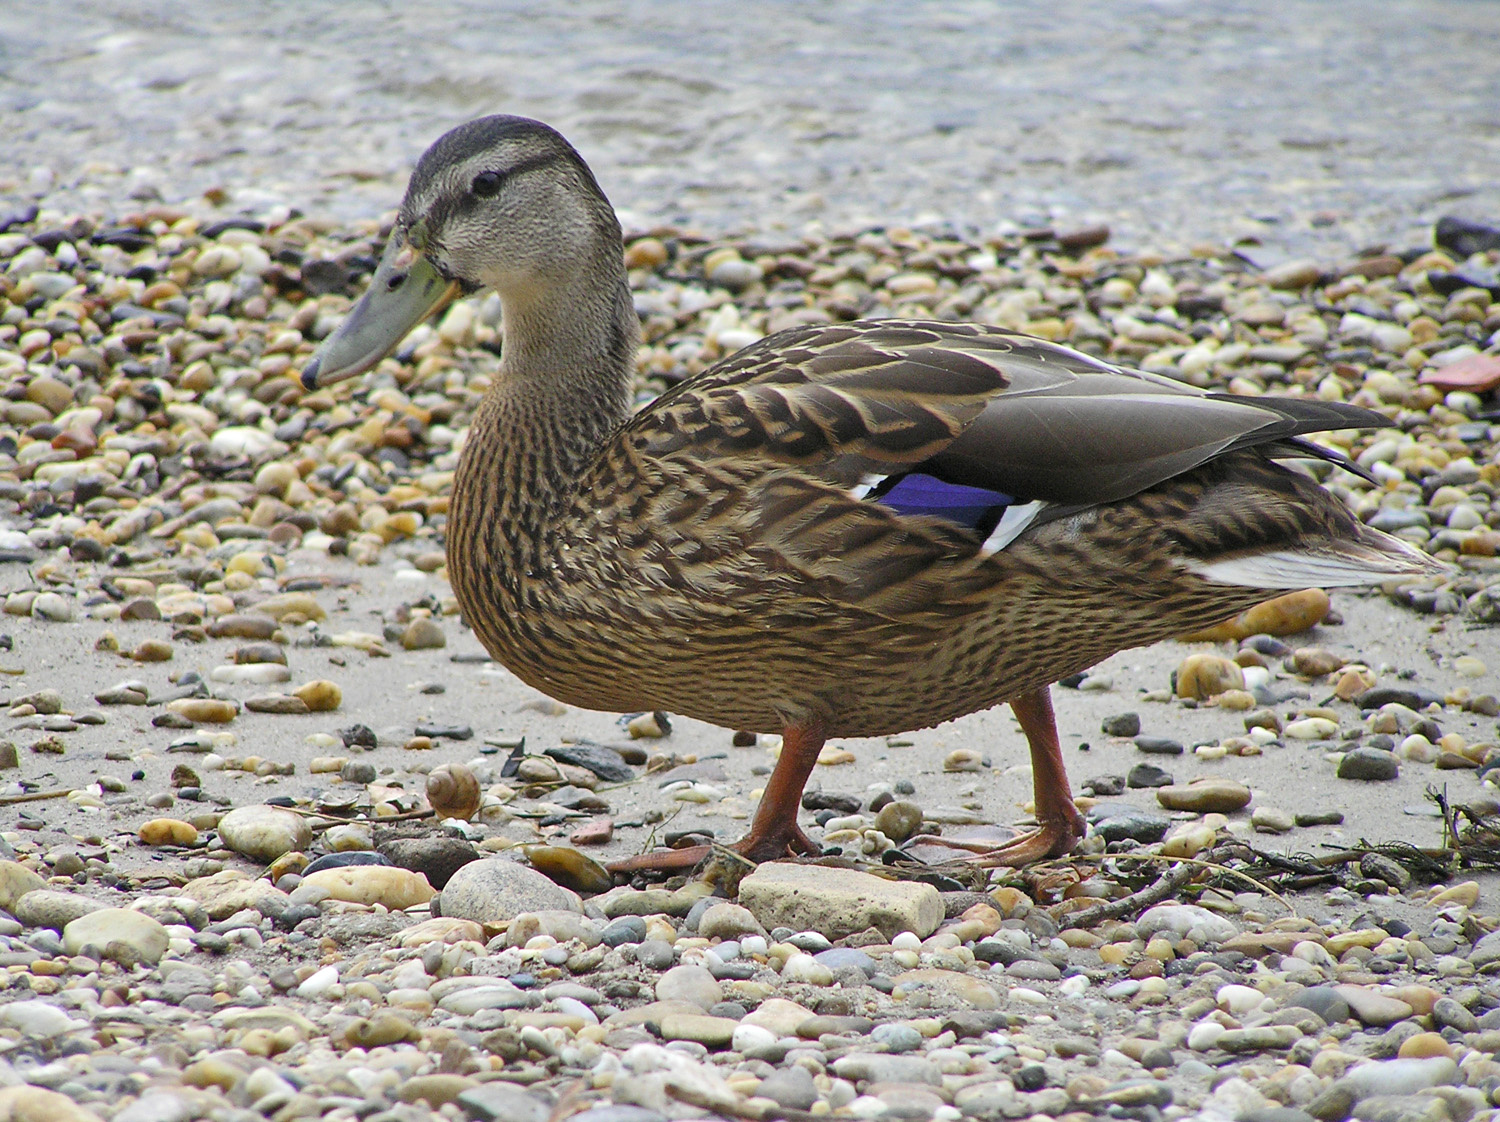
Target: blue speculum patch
column 977, row 508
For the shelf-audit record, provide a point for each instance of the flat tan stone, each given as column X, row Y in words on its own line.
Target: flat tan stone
column 839, row 902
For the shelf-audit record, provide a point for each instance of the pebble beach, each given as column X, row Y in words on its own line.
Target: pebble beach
column 278, row 841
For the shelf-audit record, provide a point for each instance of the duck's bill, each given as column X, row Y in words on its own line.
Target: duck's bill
column 407, row 288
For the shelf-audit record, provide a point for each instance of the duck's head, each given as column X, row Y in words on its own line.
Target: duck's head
column 500, row 202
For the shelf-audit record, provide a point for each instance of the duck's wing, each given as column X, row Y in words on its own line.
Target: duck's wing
column 967, row 407
column 882, row 462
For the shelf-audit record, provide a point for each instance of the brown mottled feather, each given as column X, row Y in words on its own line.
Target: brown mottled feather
column 708, row 559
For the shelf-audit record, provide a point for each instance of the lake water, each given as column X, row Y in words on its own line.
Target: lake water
column 1309, row 124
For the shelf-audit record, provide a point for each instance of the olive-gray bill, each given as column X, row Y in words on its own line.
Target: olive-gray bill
column 406, row 289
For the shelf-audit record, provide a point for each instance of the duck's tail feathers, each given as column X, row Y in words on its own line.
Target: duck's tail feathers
column 1375, row 557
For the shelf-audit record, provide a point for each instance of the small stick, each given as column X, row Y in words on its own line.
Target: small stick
column 35, row 796
column 1201, row 862
column 1155, row 892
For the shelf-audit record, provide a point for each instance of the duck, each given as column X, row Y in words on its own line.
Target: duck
column 848, row 529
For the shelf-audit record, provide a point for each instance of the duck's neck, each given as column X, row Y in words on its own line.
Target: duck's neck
column 563, row 389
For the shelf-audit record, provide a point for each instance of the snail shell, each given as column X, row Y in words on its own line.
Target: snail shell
column 453, row 792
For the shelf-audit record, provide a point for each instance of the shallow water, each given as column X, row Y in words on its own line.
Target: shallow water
column 1306, row 123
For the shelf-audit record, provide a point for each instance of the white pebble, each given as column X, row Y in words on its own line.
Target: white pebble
column 1311, row 728
column 241, row 440
column 319, row 983
column 747, row 1037
column 1030, row 996
column 576, row 1008
column 1255, row 676
column 38, row 1019
column 53, row 606
column 1308, row 951
column 1204, row 1035
column 252, row 673
column 846, row 822
column 906, row 941
column 805, row 968
column 1239, row 1000
column 1418, row 748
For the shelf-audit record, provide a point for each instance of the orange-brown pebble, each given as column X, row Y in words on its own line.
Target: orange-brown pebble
column 168, row 831
column 1284, row 615
column 1420, row 998
column 320, row 696
column 1424, row 1046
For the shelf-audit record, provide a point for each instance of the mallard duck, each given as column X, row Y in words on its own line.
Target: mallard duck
column 845, row 530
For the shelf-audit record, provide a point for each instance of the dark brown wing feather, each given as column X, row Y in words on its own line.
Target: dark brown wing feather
column 968, row 404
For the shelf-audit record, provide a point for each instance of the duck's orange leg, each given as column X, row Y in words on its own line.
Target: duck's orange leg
column 1059, row 824
column 774, row 831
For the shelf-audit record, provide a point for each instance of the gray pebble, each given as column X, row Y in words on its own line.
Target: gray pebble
column 839, row 958
column 503, row 1102
column 1121, row 724
column 1368, row 764
column 1159, row 745
column 810, row 941
column 1449, row 1013
column 1117, row 822
column 655, row 954
column 627, row 929
column 896, row 1038
column 358, row 771
column 790, row 1087
column 1148, row 775
column 1033, row 970
column 1324, row 1001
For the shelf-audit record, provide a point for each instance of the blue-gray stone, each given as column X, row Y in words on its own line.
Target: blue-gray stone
column 342, row 860
column 837, row 958
column 1159, row 745
column 1123, row 821
column 896, row 1038
column 791, row 1088
column 655, row 954
column 503, row 1102
column 1370, row 764
column 1324, row 1001
column 604, row 762
column 626, row 929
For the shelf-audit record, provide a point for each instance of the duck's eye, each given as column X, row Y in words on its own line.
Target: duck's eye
column 487, row 184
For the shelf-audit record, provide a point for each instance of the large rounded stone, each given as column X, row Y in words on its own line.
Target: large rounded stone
column 397, row 889
column 48, row 907
column 728, row 921
column 230, row 891
column 264, row 833
column 689, row 983
column 436, row 858
column 123, row 935
column 16, row 880
column 36, row 1104
column 1205, row 796
column 496, row 890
